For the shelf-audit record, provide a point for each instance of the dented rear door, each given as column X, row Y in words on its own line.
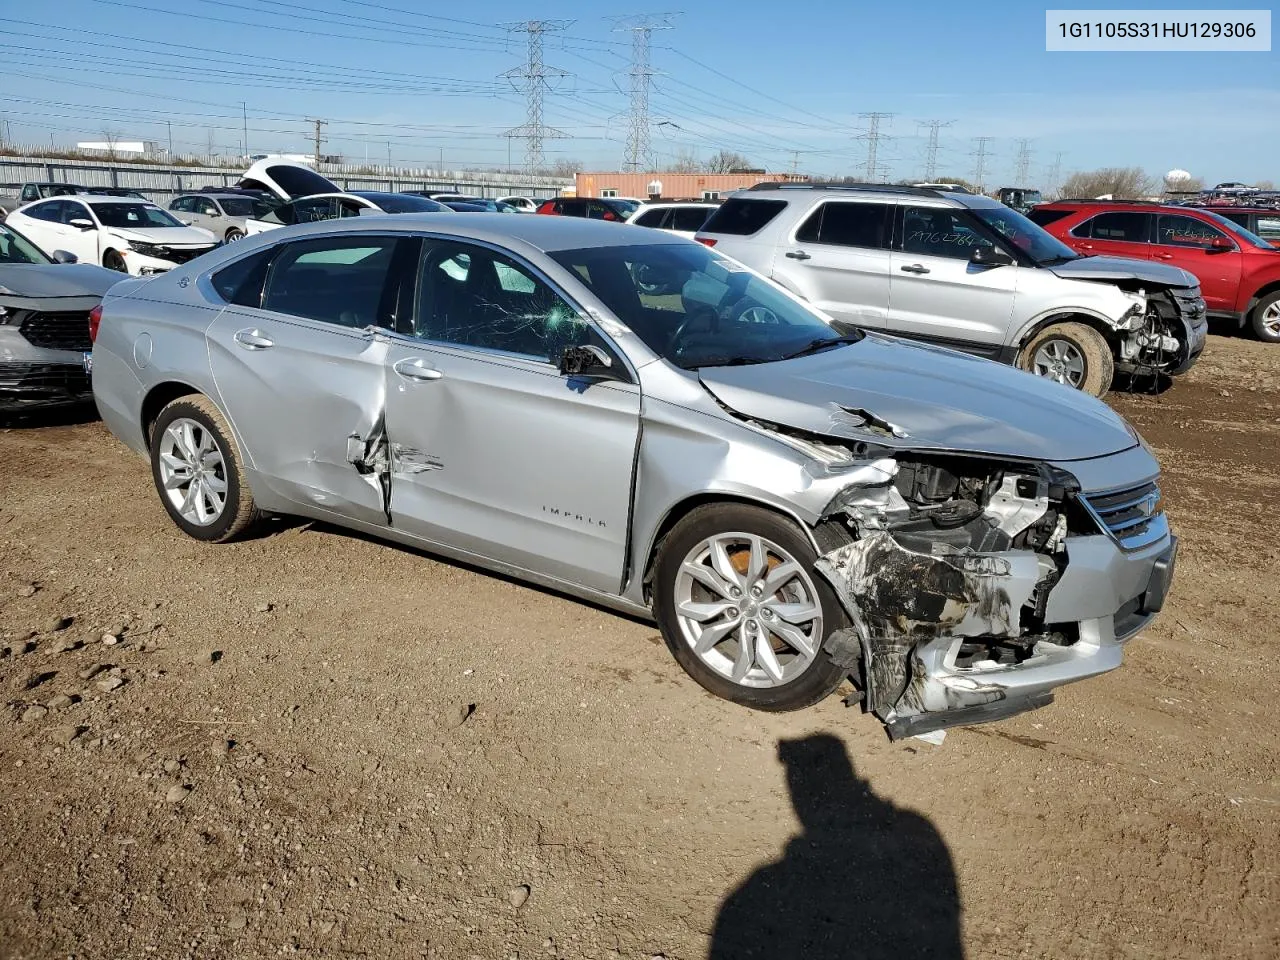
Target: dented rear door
column 492, row 450
column 301, row 376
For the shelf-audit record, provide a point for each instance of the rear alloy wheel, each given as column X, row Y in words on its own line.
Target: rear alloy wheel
column 196, row 468
column 743, row 611
column 234, row 234
column 113, row 260
column 1071, row 354
column 1266, row 318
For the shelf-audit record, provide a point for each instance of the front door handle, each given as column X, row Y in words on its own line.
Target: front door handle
column 798, row 255
column 253, row 339
column 415, row 368
column 1164, row 256
column 914, row 268
column 1084, row 246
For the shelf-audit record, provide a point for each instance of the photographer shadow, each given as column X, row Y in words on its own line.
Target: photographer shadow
column 865, row 880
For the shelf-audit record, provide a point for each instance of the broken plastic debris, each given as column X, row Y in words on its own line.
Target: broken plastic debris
column 933, row 736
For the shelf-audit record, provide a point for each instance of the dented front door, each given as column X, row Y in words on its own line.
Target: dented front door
column 492, row 450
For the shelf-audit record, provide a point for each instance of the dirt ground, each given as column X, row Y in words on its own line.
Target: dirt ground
column 325, row 745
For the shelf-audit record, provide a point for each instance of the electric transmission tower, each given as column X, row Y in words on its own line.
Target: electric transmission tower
column 1023, row 167
column 980, row 167
column 641, row 28
column 533, row 77
column 931, row 147
column 1055, row 172
column 873, row 136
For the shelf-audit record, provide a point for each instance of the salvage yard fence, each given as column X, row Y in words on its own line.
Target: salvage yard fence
column 162, row 181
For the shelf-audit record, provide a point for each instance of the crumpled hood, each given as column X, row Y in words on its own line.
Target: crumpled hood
column 166, row 236
column 938, row 398
column 1122, row 268
column 48, row 280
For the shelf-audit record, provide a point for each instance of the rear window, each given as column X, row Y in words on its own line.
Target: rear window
column 1046, row 217
column 741, row 218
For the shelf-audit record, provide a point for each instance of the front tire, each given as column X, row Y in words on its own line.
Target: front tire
column 1072, row 354
column 1265, row 318
column 233, row 235
column 742, row 609
column 195, row 464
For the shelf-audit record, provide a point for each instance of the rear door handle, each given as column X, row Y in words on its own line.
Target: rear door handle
column 415, row 368
column 798, row 255
column 253, row 339
column 914, row 268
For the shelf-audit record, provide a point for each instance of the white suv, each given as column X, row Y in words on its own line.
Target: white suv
column 966, row 272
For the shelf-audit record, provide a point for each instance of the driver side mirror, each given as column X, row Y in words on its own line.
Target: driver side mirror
column 1221, row 245
column 586, row 361
column 82, row 223
column 984, row 256
column 64, row 256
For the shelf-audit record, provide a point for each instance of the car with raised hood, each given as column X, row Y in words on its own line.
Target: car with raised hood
column 335, row 206
column 131, row 236
column 965, row 272
column 222, row 214
column 792, row 503
column 1238, row 270
column 45, row 310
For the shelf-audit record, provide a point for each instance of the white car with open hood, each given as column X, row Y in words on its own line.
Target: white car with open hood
column 120, row 233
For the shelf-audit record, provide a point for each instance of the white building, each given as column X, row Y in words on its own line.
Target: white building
column 121, row 146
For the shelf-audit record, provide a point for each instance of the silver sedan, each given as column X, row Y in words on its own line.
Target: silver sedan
column 634, row 419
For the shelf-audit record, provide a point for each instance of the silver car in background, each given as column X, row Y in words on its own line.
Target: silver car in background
column 222, row 214
column 793, row 505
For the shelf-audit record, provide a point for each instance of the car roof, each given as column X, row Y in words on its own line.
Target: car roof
column 102, row 199
column 545, row 234
column 869, row 191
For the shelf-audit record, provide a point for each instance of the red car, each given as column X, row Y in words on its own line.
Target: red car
column 1239, row 271
column 594, row 208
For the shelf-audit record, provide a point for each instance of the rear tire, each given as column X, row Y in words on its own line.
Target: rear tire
column 195, row 464
column 776, row 652
column 1265, row 318
column 1072, row 354
column 113, row 260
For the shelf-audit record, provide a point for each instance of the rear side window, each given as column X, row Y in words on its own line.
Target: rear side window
column 241, row 282
column 742, row 218
column 848, row 225
column 1120, row 225
column 50, row 210
column 690, row 219
column 651, row 218
column 1045, row 217
column 337, row 280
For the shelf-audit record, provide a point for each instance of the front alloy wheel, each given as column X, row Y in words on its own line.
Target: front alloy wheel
column 1060, row 361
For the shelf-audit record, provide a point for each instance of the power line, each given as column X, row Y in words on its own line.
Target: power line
column 641, row 28
column 873, row 136
column 931, row 148
column 534, row 75
column 1022, row 168
column 980, row 167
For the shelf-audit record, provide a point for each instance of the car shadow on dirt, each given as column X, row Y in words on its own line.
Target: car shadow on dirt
column 36, row 417
column 865, row 879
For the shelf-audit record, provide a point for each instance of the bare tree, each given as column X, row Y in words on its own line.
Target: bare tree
column 1122, row 183
column 565, row 168
column 110, row 137
column 726, row 161
column 686, row 161
column 1265, row 185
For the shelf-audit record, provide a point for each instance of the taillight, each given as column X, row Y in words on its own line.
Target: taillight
column 707, row 241
column 95, row 318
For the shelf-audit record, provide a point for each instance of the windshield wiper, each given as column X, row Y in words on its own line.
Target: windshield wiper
column 813, row 346
column 727, row 362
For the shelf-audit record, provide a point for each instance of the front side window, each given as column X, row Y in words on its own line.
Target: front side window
column 1033, row 240
column 1118, row 225
column 940, row 232
column 206, row 208
column 338, row 280
column 314, row 210
column 846, row 224
column 75, row 211
column 15, row 248
column 473, row 296
column 696, row 308
column 182, row 204
column 1174, row 230
column 29, row 193
column 135, row 216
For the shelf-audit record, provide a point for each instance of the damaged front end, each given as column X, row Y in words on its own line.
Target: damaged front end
column 945, row 579
column 1163, row 332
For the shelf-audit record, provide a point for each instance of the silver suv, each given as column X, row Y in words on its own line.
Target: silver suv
column 966, row 272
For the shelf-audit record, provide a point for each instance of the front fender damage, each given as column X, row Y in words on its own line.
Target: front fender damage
column 950, row 562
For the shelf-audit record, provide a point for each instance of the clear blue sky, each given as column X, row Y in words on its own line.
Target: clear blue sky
column 421, row 81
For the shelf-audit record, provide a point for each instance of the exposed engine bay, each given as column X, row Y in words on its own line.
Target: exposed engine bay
column 952, row 559
column 1158, row 334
